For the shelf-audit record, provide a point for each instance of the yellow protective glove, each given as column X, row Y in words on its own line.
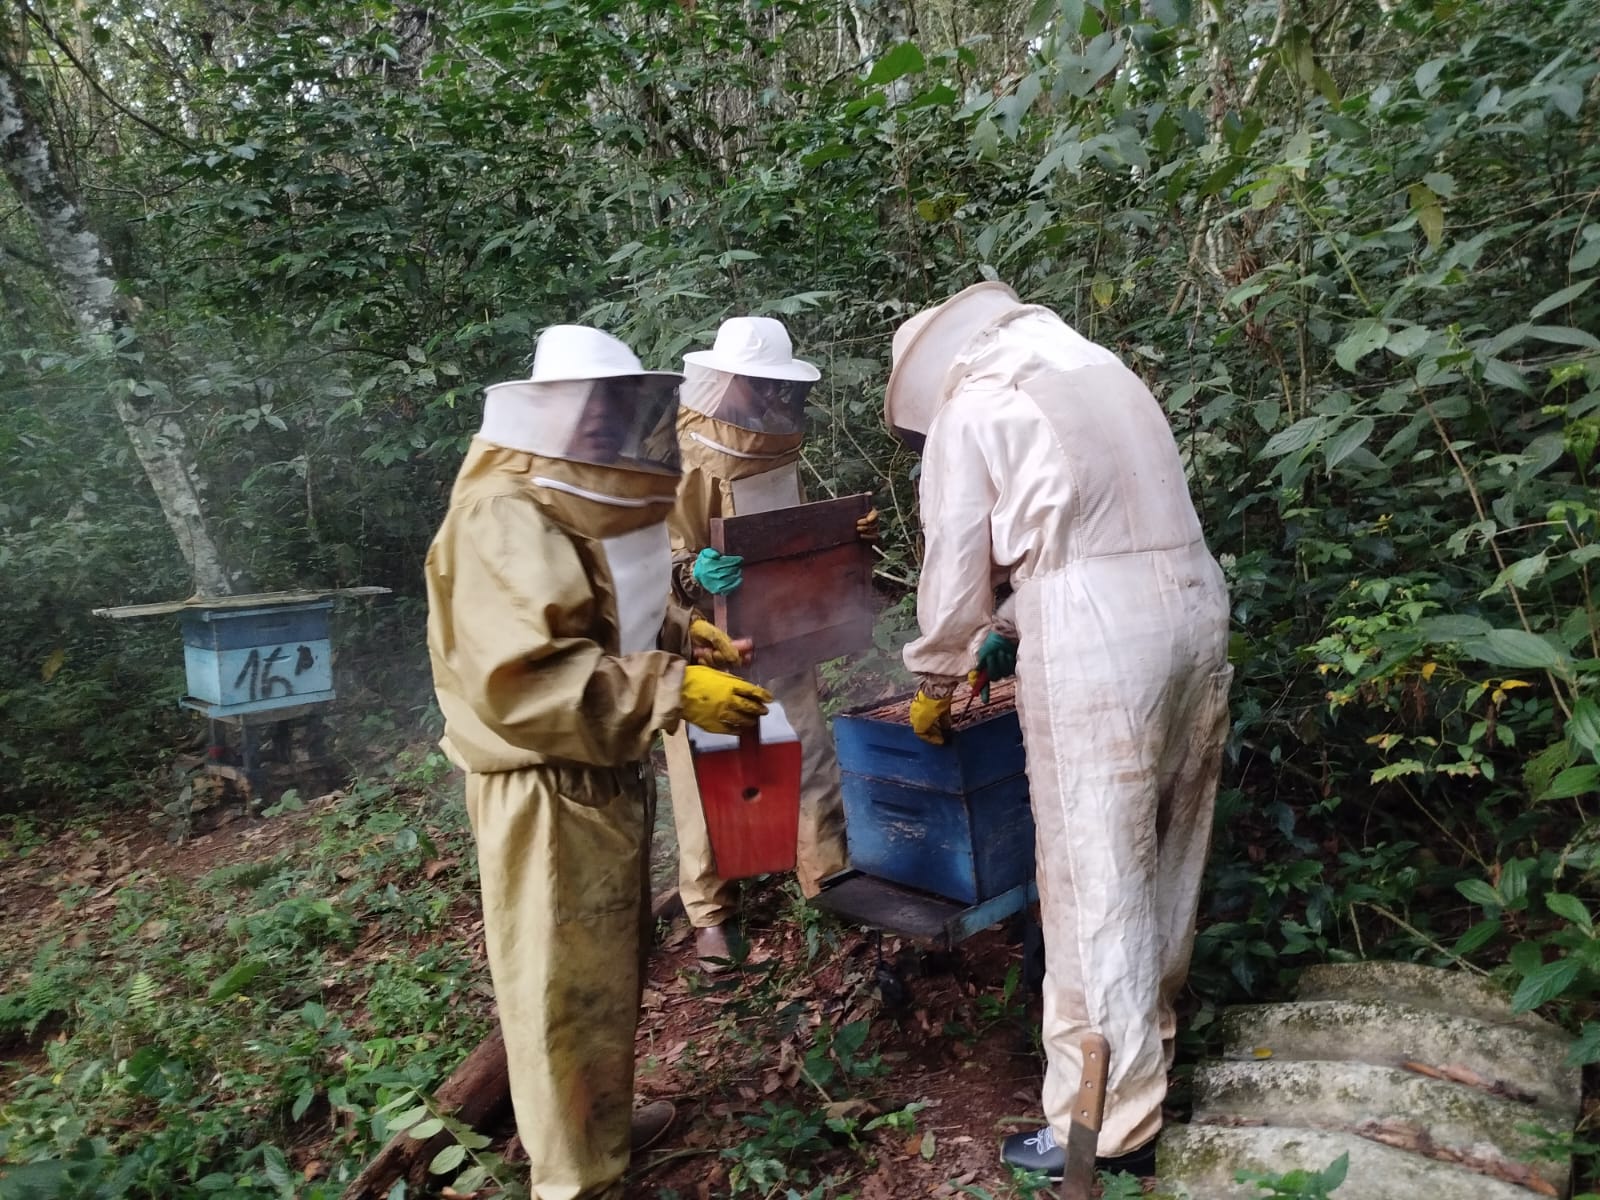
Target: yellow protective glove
column 723, row 651
column 722, row 703
column 867, row 528
column 930, row 718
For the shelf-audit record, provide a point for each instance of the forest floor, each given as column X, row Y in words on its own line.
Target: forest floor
column 795, row 1069
column 229, row 1010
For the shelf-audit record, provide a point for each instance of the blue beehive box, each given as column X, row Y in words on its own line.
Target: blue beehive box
column 251, row 660
column 953, row 820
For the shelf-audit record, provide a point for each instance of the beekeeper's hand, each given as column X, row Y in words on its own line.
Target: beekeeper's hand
column 714, row 648
column 867, row 528
column 718, row 573
column 997, row 657
column 930, row 718
column 722, row 703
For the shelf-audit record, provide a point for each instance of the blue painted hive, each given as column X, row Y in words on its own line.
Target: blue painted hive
column 250, row 660
column 953, row 820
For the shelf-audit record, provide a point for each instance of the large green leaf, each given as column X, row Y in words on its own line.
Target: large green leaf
column 1481, row 893
column 1452, row 627
column 1503, row 374
column 240, row 976
column 1515, row 648
column 897, row 62
column 1297, row 437
column 1556, row 299
column 1564, row 335
column 1586, row 1049
column 1574, row 781
column 1347, row 441
column 1545, row 984
column 1366, row 337
column 1564, row 904
column 1408, row 341
column 1079, row 73
column 1584, row 727
column 448, row 1159
column 1587, row 254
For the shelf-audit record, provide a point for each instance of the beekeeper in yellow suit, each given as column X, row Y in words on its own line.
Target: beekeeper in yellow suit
column 1047, row 463
column 547, row 597
column 740, row 428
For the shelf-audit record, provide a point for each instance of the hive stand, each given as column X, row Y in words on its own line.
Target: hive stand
column 252, row 661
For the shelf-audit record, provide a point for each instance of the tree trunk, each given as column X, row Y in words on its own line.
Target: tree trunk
column 83, row 274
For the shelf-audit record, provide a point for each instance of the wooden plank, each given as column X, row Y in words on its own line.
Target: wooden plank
column 989, row 912
column 256, row 720
column 861, row 899
column 787, row 532
column 807, row 590
column 254, row 600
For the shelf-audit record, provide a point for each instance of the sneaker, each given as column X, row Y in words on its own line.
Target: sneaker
column 1039, row 1151
column 1035, row 1151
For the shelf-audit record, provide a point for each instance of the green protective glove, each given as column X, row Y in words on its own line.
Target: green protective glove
column 997, row 657
column 718, row 573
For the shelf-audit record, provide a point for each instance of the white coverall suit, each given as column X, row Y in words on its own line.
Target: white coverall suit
column 1047, row 462
column 547, row 590
column 730, row 470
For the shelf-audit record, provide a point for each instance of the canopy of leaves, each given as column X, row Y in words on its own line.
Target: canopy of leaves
column 1352, row 245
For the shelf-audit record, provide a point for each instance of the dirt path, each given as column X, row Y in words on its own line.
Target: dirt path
column 944, row 1036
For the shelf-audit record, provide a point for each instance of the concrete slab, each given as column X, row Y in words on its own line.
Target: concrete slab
column 1510, row 1060
column 1395, row 1106
column 1196, row 1162
column 1418, row 986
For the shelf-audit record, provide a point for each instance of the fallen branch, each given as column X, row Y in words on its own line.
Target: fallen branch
column 476, row 1094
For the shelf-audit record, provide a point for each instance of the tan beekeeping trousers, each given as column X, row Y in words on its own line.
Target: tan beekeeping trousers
column 708, row 899
column 563, row 860
column 1124, row 734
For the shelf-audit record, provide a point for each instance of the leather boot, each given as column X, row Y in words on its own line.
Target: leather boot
column 713, row 948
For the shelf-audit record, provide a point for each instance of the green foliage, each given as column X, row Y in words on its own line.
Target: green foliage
column 1300, row 1185
column 46, row 992
column 1350, row 247
column 1120, row 1186
column 416, row 1113
column 208, row 1023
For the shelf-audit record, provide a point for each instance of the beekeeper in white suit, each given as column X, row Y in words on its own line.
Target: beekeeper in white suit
column 1047, row 464
column 547, row 602
column 740, row 429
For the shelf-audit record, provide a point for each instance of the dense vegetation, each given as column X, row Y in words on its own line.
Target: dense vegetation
column 1351, row 244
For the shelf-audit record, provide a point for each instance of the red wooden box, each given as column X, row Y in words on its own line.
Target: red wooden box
column 750, row 792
